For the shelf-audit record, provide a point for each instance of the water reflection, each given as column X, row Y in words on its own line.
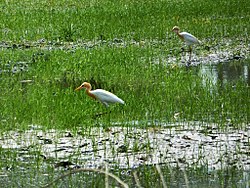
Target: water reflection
column 226, row 72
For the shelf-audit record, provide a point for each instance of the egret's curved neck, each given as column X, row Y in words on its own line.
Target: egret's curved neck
column 89, row 93
column 179, row 35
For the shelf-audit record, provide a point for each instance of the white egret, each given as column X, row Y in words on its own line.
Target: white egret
column 103, row 96
column 188, row 38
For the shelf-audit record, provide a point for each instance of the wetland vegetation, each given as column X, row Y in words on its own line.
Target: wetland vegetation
column 180, row 126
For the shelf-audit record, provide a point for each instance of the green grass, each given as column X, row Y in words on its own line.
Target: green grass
column 73, row 20
column 150, row 91
column 147, row 177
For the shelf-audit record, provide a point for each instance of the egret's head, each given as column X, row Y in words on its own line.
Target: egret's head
column 176, row 29
column 84, row 85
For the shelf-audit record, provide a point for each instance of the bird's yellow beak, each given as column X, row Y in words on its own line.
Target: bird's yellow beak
column 79, row 88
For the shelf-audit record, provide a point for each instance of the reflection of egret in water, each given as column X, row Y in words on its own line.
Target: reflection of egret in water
column 209, row 75
column 246, row 74
column 225, row 73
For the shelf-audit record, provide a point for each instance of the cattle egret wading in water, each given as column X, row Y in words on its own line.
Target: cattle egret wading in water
column 188, row 38
column 103, row 96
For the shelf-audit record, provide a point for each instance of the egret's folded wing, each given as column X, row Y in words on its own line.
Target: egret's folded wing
column 105, row 96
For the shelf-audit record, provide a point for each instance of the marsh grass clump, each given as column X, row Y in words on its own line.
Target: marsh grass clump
column 163, row 91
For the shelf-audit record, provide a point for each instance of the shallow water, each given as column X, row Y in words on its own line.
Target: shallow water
column 177, row 146
column 226, row 72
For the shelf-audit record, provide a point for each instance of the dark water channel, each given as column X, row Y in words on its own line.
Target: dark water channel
column 226, row 72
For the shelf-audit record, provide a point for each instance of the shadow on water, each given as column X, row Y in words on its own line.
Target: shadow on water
column 228, row 72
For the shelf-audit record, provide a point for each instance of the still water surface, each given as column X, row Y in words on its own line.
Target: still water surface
column 226, row 72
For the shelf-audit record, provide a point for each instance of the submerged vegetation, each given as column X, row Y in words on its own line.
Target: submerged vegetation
column 48, row 48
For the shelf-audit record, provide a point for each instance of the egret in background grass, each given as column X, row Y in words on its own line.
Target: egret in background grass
column 188, row 38
column 103, row 96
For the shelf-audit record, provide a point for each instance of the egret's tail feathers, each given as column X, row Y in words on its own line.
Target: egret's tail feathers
column 121, row 101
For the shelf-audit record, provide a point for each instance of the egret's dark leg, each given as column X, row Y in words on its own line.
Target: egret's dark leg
column 103, row 113
column 190, row 55
column 108, row 124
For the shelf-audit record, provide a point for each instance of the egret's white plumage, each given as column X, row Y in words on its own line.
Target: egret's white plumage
column 188, row 38
column 105, row 97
